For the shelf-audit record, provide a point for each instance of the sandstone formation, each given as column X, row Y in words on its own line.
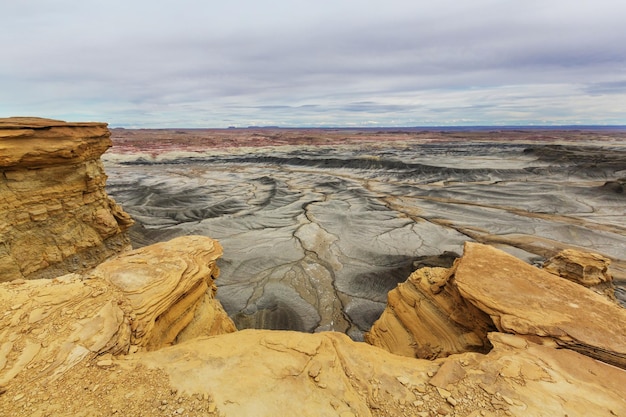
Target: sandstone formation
column 260, row 373
column 171, row 290
column 584, row 268
column 488, row 289
column 142, row 300
column 524, row 300
column 56, row 216
column 427, row 318
column 98, row 345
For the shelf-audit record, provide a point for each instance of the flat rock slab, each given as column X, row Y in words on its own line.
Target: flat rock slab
column 525, row 300
column 34, row 142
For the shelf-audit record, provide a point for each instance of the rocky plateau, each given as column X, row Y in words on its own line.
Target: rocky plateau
column 479, row 330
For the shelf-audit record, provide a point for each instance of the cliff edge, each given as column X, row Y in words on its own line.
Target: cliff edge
column 56, row 216
column 142, row 334
column 438, row 312
column 115, row 342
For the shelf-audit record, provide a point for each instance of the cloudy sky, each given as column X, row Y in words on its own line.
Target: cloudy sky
column 210, row 63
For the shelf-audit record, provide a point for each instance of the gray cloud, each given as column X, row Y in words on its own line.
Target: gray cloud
column 301, row 63
column 608, row 87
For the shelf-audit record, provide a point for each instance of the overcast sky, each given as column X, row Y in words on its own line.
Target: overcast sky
column 209, row 63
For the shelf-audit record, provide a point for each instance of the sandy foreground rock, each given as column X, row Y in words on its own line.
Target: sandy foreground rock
column 88, row 346
column 56, row 216
column 438, row 312
column 524, row 300
column 427, row 318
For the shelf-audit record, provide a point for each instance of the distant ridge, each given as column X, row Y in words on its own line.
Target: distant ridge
column 391, row 129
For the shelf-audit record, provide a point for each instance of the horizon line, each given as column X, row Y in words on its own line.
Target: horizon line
column 392, row 128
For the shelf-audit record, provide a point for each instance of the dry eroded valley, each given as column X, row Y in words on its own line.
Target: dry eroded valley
column 318, row 225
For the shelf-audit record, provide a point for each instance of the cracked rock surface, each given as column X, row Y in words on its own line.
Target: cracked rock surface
column 318, row 225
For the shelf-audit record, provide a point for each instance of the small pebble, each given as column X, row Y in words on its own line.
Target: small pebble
column 105, row 363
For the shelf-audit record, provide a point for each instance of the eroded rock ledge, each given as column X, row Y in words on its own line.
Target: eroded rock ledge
column 56, row 216
column 143, row 300
column 438, row 312
column 102, row 345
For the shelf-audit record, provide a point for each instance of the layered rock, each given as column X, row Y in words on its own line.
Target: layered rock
column 584, row 268
column 510, row 295
column 171, row 290
column 525, row 300
column 267, row 373
column 142, row 300
column 100, row 345
column 56, row 216
column 426, row 318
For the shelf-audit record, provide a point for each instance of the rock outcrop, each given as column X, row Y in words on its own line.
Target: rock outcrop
column 268, row 373
column 56, row 216
column 427, row 318
column 584, row 268
column 171, row 290
column 100, row 345
column 525, row 300
column 142, row 300
column 510, row 296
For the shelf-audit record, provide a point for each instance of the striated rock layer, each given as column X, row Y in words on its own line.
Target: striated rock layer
column 101, row 345
column 489, row 289
column 56, row 216
column 427, row 318
column 268, row 373
column 584, row 268
column 142, row 300
column 524, row 300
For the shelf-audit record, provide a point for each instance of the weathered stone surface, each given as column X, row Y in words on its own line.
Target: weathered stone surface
column 585, row 268
column 143, row 299
column 63, row 345
column 267, row 373
column 56, row 216
column 427, row 318
column 36, row 142
column 166, row 284
column 437, row 312
column 525, row 300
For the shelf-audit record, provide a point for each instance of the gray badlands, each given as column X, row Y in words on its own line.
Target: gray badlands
column 318, row 225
